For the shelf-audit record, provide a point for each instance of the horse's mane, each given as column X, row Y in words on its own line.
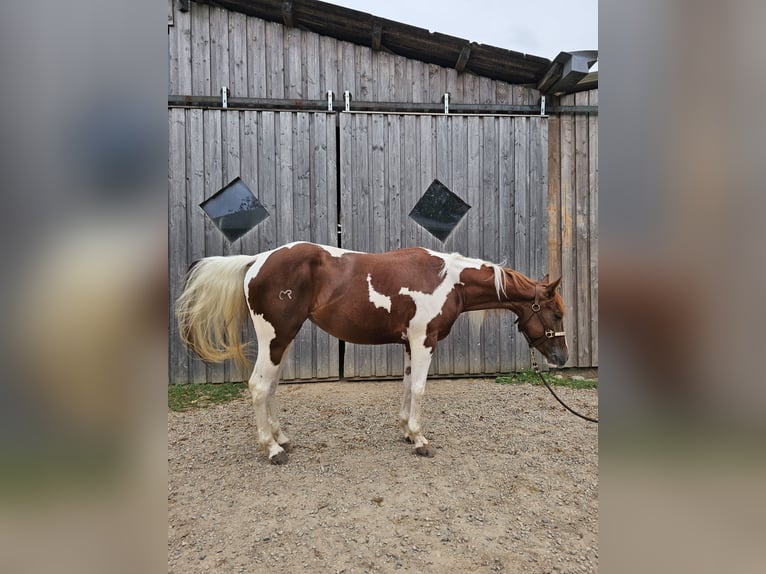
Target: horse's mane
column 499, row 272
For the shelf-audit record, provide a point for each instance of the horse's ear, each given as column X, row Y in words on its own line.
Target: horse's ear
column 550, row 288
column 544, row 279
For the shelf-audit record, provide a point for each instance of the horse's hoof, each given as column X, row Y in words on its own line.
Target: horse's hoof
column 279, row 458
column 288, row 446
column 425, row 451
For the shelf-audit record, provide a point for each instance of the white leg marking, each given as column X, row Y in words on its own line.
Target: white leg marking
column 404, row 412
column 421, row 360
column 377, row 299
column 263, row 383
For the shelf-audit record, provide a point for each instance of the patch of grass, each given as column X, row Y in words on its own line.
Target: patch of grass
column 531, row 378
column 185, row 397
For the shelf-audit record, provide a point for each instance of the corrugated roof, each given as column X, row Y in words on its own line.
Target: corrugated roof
column 395, row 37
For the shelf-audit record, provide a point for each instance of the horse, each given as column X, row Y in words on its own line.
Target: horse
column 410, row 296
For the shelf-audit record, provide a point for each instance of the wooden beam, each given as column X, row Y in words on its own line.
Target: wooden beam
column 377, row 35
column 214, row 102
column 462, row 59
column 287, row 14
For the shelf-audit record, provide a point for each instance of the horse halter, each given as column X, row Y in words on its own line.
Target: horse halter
column 548, row 333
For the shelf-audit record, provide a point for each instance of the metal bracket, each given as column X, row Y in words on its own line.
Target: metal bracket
column 329, row 100
column 542, row 105
column 347, row 100
column 445, row 99
column 224, row 97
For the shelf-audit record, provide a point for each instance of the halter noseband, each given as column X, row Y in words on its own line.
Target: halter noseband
column 548, row 333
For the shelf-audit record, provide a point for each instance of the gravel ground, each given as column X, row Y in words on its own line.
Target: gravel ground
column 513, row 486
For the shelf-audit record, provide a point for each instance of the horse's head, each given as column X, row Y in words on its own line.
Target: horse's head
column 541, row 320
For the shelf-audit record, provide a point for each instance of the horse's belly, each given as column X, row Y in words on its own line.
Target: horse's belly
column 359, row 330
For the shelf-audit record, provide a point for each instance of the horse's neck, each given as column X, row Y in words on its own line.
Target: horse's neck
column 479, row 290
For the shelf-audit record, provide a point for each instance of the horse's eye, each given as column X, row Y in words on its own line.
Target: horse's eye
column 558, row 316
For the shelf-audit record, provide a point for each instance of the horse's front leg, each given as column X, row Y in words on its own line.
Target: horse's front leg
column 404, row 412
column 420, row 361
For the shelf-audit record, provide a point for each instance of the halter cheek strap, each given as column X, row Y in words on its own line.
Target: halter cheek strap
column 548, row 333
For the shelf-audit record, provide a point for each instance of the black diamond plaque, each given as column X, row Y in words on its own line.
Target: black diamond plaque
column 439, row 210
column 234, row 210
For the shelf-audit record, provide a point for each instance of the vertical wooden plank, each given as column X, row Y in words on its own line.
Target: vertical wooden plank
column 364, row 80
column 238, row 54
column 473, row 198
column 378, row 231
column 267, row 179
column 459, row 337
column 442, row 361
column 313, row 89
column 507, row 357
column 219, row 49
column 323, row 218
column 195, row 215
column 393, row 151
column 183, row 36
column 303, row 347
column 214, row 241
column 256, row 58
column 490, row 222
column 411, row 178
column 521, row 220
column 249, row 243
column 593, row 223
column 328, row 67
column 419, row 74
column 402, row 88
column 177, row 237
column 293, row 64
column 470, row 89
column 538, row 221
column 554, row 197
column 452, row 86
column 347, row 63
column 568, row 243
column 231, row 168
column 249, row 152
column 275, row 63
column 172, row 60
column 347, row 208
column 427, row 175
column 503, row 93
column 362, row 218
column 435, row 83
column 486, row 90
column 200, row 31
column 582, row 221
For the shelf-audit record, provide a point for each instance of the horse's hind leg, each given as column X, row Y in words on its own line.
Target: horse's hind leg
column 273, row 409
column 263, row 385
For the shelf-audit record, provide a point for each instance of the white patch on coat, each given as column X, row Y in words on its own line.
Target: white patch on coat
column 378, row 299
column 264, row 332
column 334, row 251
column 428, row 306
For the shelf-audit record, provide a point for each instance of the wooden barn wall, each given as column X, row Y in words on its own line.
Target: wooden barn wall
column 288, row 160
column 210, row 47
column 573, row 229
column 496, row 164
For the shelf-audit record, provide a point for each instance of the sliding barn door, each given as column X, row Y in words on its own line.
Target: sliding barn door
column 496, row 165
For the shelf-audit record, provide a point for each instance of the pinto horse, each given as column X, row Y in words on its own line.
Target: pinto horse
column 411, row 297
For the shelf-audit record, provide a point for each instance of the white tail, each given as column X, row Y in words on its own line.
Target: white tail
column 212, row 307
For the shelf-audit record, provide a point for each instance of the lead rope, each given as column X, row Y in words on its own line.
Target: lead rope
column 536, row 368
